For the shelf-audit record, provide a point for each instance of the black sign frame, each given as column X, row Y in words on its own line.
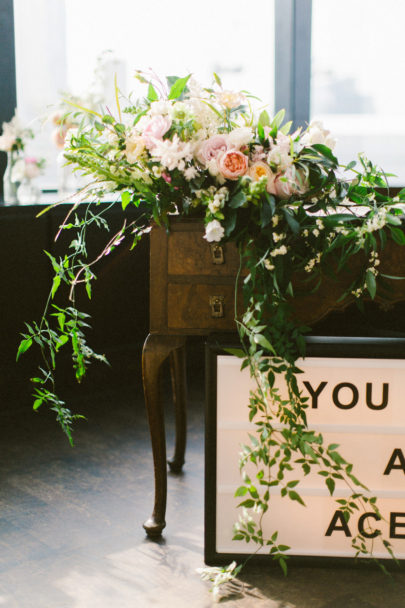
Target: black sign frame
column 316, row 346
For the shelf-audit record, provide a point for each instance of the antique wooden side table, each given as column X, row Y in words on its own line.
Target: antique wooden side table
column 192, row 293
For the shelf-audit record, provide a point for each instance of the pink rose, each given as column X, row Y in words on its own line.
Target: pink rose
column 286, row 184
column 155, row 129
column 212, row 147
column 232, row 164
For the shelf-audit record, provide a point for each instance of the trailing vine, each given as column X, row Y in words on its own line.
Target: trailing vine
column 296, row 215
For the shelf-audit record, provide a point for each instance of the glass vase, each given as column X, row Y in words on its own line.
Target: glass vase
column 27, row 192
column 9, row 187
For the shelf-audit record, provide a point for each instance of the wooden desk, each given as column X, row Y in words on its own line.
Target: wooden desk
column 192, row 293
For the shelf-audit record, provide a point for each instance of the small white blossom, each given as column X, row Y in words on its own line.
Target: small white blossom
column 268, row 265
column 278, row 236
column 218, row 576
column 279, row 251
column 190, row 173
column 214, row 231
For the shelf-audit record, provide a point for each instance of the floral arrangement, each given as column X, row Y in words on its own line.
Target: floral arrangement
column 292, row 210
column 14, row 136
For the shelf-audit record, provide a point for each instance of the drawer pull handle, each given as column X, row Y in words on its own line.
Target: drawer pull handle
column 217, row 306
column 217, row 253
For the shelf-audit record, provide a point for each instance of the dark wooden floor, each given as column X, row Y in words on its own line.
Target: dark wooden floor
column 71, row 519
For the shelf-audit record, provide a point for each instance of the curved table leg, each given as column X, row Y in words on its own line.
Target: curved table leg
column 155, row 350
column 179, row 387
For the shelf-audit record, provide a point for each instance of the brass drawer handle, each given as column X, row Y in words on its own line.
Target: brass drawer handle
column 217, row 253
column 217, row 306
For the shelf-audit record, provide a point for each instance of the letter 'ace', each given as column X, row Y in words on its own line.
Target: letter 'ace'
column 356, row 402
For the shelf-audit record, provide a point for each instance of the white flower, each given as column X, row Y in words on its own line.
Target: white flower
column 268, row 265
column 172, row 154
column 218, row 576
column 280, row 157
column 240, row 137
column 230, row 99
column 134, row 146
column 278, row 237
column 190, row 173
column 317, row 134
column 214, row 231
column 212, row 167
column 159, row 107
column 279, row 251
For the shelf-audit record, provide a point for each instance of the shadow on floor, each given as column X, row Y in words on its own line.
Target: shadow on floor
column 71, row 518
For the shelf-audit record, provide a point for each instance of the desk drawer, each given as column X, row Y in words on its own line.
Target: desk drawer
column 188, row 253
column 201, row 306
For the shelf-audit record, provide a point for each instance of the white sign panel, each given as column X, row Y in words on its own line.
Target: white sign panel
column 356, row 403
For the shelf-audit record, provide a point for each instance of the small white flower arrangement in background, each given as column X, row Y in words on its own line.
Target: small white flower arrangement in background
column 14, row 135
column 28, row 168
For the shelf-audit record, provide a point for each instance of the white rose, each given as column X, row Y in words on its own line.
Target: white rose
column 214, row 231
column 159, row 107
column 240, row 137
column 317, row 134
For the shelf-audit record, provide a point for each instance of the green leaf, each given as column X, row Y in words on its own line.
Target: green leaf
column 264, row 119
column 55, row 284
column 371, row 284
column 283, row 565
column 62, row 340
column 331, row 485
column 278, row 119
column 24, row 346
column 178, row 87
column 263, row 341
column 249, row 503
column 295, row 496
column 397, row 235
column 266, row 213
column 350, row 166
column 37, row 403
column 88, row 289
column 126, row 199
column 237, row 200
column 291, row 221
column 152, row 95
column 241, row 491
column 393, row 219
column 217, row 79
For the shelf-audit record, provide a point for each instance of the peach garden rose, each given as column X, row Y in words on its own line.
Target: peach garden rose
column 233, row 164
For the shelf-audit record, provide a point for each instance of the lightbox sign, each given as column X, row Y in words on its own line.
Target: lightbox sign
column 356, row 402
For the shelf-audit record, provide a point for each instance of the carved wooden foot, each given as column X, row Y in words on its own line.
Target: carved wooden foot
column 155, row 350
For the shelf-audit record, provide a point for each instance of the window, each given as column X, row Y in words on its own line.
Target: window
column 62, row 45
column 357, row 85
column 341, row 62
